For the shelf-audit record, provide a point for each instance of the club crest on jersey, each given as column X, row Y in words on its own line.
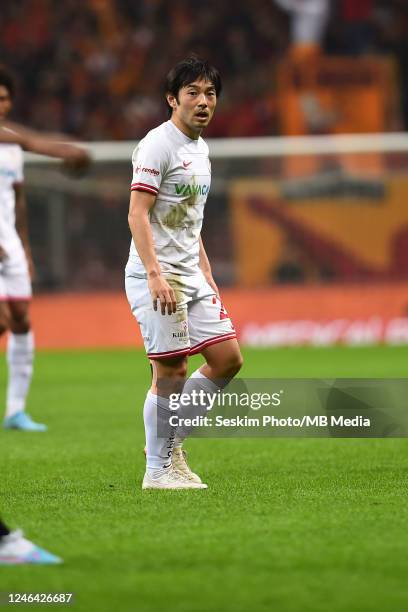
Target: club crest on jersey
column 184, row 189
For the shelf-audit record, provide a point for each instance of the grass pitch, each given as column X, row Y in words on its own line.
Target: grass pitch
column 288, row 525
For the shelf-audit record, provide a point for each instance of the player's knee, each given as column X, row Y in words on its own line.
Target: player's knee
column 183, row 370
column 180, row 370
column 4, row 319
column 20, row 322
column 172, row 368
column 234, row 363
column 171, row 378
column 229, row 366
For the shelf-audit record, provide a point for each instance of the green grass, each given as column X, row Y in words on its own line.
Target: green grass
column 286, row 524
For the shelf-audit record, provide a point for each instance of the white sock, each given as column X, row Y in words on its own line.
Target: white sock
column 20, row 357
column 196, row 382
column 158, row 450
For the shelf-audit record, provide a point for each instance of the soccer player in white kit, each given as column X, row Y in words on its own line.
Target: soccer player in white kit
column 169, row 283
column 15, row 268
column 15, row 549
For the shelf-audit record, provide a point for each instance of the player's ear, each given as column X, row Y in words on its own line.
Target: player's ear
column 172, row 101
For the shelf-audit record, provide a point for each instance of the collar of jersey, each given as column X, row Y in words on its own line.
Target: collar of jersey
column 182, row 134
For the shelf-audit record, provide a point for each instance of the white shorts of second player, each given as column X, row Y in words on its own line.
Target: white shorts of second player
column 200, row 319
column 15, row 283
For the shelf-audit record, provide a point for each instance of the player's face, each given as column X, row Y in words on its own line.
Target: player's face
column 195, row 107
column 5, row 102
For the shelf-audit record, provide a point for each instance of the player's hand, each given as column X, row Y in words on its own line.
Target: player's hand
column 3, row 253
column 76, row 161
column 161, row 291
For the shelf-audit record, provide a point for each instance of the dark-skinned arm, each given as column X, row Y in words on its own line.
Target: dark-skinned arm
column 45, row 144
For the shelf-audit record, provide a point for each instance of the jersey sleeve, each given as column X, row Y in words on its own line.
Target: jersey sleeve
column 19, row 166
column 150, row 163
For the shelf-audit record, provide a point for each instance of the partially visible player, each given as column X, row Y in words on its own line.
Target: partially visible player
column 16, row 268
column 14, row 548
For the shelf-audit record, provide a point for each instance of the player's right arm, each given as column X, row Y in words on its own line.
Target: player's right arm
column 140, row 204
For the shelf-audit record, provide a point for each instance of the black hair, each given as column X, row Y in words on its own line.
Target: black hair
column 7, row 81
column 189, row 70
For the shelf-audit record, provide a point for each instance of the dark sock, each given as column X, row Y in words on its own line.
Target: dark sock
column 3, row 530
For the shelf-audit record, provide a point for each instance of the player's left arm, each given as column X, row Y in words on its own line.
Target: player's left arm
column 76, row 158
column 22, row 223
column 205, row 268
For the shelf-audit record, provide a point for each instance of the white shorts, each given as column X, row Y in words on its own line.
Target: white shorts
column 200, row 319
column 15, row 283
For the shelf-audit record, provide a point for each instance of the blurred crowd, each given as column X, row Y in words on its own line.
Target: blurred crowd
column 95, row 68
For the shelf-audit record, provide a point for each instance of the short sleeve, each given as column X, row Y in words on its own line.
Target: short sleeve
column 19, row 165
column 150, row 163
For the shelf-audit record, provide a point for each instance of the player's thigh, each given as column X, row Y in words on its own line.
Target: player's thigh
column 17, row 284
column 208, row 323
column 164, row 336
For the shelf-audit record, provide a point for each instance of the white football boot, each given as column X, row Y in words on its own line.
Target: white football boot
column 179, row 463
column 15, row 549
column 171, row 479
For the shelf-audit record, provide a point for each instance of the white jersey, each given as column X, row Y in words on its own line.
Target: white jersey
column 11, row 172
column 176, row 169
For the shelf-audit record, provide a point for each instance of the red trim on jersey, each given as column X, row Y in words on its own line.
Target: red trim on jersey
column 199, row 347
column 164, row 355
column 144, row 187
